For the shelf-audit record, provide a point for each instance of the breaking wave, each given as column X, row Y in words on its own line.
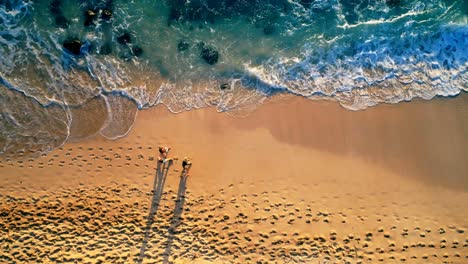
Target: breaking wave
column 74, row 69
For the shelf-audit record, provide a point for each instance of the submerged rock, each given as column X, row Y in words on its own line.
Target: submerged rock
column 210, row 55
column 137, row 51
column 106, row 14
column 55, row 7
column 224, row 86
column 90, row 17
column 124, row 39
column 103, row 8
column 61, row 21
column 183, row 45
column 73, row 46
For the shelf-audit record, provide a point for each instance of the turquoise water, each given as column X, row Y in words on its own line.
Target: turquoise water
column 57, row 55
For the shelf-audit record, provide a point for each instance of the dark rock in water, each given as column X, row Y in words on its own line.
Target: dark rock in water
column 393, row 3
column 106, row 49
column 224, row 86
column 61, row 21
column 55, row 7
column 183, row 45
column 210, row 55
column 106, row 14
column 73, row 46
column 90, row 17
column 124, row 39
column 137, row 51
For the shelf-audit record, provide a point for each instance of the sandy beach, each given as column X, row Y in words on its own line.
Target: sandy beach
column 295, row 181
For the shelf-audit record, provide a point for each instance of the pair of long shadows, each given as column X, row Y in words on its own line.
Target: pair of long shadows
column 158, row 186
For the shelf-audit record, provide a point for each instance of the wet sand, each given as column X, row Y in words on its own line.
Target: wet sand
column 294, row 181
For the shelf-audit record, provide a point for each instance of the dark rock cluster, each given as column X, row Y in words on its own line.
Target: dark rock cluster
column 208, row 53
column 95, row 12
column 97, row 9
column 90, row 17
column 263, row 14
column 125, row 39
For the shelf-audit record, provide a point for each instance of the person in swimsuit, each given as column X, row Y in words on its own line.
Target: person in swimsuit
column 186, row 165
column 163, row 151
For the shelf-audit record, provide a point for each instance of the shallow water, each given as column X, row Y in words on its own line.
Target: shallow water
column 67, row 66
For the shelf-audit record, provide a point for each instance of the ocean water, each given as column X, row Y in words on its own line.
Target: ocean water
column 70, row 69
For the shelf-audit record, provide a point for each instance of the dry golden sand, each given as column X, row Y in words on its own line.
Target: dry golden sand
column 294, row 182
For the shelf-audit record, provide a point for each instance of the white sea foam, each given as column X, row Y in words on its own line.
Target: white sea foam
column 359, row 55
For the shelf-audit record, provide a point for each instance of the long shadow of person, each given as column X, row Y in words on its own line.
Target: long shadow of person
column 176, row 218
column 160, row 178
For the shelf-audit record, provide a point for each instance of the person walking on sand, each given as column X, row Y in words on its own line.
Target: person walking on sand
column 163, row 152
column 186, row 165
